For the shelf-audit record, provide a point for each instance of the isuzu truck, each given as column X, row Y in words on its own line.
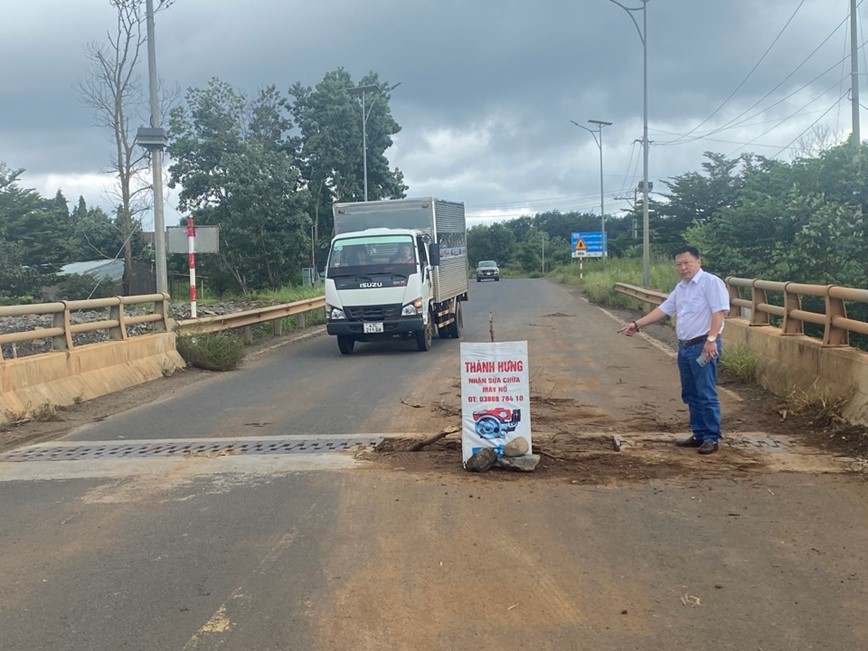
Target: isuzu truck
column 397, row 269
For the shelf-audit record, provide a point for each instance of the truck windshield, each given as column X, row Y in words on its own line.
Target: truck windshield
column 373, row 254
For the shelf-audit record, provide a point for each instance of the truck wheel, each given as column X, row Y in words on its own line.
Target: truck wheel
column 346, row 344
column 457, row 323
column 424, row 336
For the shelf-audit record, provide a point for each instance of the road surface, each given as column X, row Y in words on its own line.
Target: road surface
column 761, row 546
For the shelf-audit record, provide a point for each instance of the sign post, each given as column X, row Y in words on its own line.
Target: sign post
column 191, row 258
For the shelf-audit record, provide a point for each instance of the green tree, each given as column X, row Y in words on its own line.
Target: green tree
column 235, row 164
column 96, row 235
column 490, row 242
column 330, row 157
column 33, row 238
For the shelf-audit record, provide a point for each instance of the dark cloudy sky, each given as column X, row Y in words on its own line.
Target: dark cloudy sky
column 488, row 87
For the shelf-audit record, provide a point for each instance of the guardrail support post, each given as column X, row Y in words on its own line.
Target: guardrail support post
column 758, row 317
column 792, row 325
column 277, row 327
column 832, row 335
column 247, row 333
column 61, row 320
column 116, row 313
column 299, row 321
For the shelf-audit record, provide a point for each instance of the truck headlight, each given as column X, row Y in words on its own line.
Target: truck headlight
column 412, row 309
column 335, row 313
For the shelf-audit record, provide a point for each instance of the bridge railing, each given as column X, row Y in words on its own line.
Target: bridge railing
column 64, row 321
column 116, row 326
column 749, row 298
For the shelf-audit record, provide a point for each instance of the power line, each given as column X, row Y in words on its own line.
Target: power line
column 734, row 122
column 743, row 81
column 793, row 114
column 810, row 126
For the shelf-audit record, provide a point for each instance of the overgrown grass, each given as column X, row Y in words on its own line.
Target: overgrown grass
column 46, row 412
column 822, row 406
column 598, row 282
column 288, row 294
column 740, row 362
column 213, row 352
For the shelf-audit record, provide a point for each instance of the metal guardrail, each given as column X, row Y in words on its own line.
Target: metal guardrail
column 62, row 330
column 120, row 319
column 247, row 318
column 757, row 309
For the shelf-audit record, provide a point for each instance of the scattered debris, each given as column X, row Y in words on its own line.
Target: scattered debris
column 690, row 600
column 433, row 439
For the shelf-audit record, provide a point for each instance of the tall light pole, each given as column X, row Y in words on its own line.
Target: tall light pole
column 599, row 132
column 361, row 91
column 643, row 34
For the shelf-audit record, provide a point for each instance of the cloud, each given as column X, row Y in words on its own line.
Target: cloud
column 487, row 89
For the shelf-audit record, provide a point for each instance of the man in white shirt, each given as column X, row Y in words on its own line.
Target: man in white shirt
column 699, row 302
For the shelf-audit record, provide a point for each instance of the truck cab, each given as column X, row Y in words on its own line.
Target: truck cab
column 388, row 282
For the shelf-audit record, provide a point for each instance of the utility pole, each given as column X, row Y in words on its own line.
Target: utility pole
column 156, row 149
column 854, row 76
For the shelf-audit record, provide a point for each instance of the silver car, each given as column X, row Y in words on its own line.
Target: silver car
column 487, row 270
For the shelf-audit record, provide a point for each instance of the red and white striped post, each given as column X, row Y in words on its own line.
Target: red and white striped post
column 191, row 263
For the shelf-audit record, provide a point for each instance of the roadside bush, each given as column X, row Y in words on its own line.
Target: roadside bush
column 740, row 362
column 212, row 352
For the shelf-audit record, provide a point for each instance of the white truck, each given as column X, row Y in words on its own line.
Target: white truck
column 396, row 269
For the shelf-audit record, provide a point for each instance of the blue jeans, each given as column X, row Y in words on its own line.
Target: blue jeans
column 699, row 391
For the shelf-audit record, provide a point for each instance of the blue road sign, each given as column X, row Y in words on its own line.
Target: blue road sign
column 593, row 244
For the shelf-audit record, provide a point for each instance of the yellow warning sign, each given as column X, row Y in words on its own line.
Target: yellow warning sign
column 580, row 245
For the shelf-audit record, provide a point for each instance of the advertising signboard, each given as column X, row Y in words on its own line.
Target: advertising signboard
column 495, row 396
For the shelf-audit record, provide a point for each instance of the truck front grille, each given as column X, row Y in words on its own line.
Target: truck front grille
column 373, row 313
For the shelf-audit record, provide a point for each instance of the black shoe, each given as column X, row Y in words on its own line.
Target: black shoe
column 692, row 442
column 707, row 447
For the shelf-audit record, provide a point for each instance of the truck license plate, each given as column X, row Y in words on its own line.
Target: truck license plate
column 372, row 328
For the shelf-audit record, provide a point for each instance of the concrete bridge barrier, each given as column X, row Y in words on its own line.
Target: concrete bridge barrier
column 802, row 365
column 65, row 377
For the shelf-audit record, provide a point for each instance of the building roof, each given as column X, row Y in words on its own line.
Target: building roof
column 113, row 270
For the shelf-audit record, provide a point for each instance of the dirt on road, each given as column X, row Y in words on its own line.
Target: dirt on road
column 578, row 439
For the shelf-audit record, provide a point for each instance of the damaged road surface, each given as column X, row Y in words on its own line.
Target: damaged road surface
column 381, row 540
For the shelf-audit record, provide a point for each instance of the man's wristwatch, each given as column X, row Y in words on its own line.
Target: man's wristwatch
column 711, row 338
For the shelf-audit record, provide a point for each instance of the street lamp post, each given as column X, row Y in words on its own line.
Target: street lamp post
column 599, row 140
column 361, row 91
column 643, row 33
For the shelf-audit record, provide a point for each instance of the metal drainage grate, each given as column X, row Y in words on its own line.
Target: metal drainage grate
column 182, row 449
